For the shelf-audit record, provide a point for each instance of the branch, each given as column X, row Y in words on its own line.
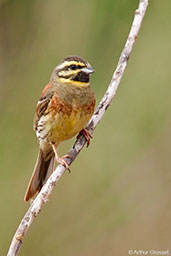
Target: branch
column 46, row 190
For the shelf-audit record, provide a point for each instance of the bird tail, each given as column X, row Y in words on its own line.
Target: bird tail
column 41, row 173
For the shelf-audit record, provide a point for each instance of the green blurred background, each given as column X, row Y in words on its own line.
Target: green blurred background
column 119, row 192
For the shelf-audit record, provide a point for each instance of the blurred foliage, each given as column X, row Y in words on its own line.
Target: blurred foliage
column 118, row 194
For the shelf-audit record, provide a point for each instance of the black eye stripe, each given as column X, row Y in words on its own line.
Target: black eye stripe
column 71, row 67
column 74, row 67
column 80, row 66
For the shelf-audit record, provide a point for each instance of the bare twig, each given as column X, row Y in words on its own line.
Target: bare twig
column 42, row 197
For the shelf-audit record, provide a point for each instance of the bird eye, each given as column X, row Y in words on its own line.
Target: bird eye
column 73, row 67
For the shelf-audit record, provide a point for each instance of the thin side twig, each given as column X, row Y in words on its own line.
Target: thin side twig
column 46, row 190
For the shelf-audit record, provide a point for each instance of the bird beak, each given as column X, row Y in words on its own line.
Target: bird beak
column 88, row 69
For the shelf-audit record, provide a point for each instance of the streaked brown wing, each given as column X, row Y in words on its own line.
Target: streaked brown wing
column 42, row 106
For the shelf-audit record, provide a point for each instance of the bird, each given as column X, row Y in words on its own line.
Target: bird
column 66, row 104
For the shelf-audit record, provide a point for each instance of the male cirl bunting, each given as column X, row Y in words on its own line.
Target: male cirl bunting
column 64, row 109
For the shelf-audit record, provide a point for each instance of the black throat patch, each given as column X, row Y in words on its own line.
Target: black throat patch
column 81, row 77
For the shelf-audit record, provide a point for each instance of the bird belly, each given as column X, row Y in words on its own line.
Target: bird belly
column 67, row 126
column 62, row 121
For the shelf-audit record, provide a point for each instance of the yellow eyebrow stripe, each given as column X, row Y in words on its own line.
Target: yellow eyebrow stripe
column 74, row 63
column 68, row 63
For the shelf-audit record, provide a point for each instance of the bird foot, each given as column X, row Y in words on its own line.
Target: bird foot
column 61, row 160
column 86, row 134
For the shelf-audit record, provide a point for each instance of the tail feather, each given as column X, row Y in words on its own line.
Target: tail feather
column 41, row 173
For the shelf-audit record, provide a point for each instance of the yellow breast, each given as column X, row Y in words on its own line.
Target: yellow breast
column 70, row 112
column 66, row 126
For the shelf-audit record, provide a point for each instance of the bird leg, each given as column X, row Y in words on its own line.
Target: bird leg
column 86, row 134
column 61, row 160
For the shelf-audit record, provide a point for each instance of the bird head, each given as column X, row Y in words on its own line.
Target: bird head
column 73, row 70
